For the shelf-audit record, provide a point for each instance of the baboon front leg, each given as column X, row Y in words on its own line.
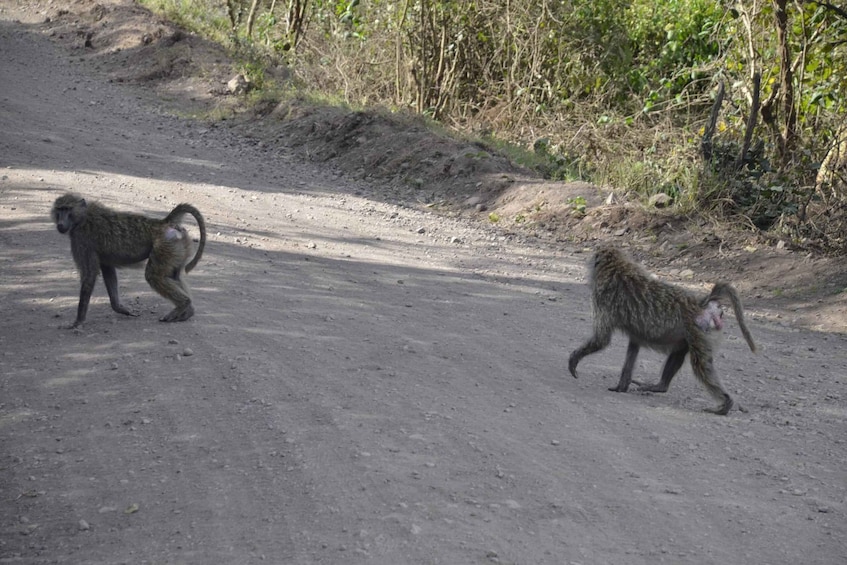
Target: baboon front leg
column 600, row 340
column 628, row 366
column 88, row 278
column 85, row 291
column 110, row 278
column 672, row 366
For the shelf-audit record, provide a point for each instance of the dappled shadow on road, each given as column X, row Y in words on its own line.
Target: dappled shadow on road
column 255, row 287
column 53, row 117
column 138, row 139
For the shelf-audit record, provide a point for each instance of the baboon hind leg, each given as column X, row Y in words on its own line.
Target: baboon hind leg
column 671, row 368
column 185, row 310
column 703, row 367
column 110, row 278
column 164, row 273
column 170, row 285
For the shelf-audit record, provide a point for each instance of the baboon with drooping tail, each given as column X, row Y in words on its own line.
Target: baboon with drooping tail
column 658, row 315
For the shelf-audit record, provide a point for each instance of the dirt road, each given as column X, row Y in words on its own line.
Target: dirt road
column 363, row 382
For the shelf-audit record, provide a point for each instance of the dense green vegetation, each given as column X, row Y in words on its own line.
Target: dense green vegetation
column 728, row 106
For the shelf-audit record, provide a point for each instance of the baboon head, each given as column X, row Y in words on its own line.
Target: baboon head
column 68, row 210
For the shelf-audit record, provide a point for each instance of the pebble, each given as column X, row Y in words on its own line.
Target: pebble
column 83, row 525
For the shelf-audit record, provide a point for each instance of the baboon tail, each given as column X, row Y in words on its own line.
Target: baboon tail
column 176, row 216
column 728, row 291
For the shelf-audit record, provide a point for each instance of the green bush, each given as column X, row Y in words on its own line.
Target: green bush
column 619, row 90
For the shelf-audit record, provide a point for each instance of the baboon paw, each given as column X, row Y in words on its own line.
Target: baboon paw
column 646, row 387
column 174, row 318
column 178, row 315
column 729, row 407
column 126, row 311
column 722, row 410
column 170, row 318
column 725, row 407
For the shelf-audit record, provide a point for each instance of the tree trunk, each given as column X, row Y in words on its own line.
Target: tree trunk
column 751, row 121
column 709, row 132
column 233, row 12
column 251, row 17
column 786, row 79
column 296, row 19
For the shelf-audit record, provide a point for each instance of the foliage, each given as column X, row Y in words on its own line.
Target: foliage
column 578, row 205
column 616, row 91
